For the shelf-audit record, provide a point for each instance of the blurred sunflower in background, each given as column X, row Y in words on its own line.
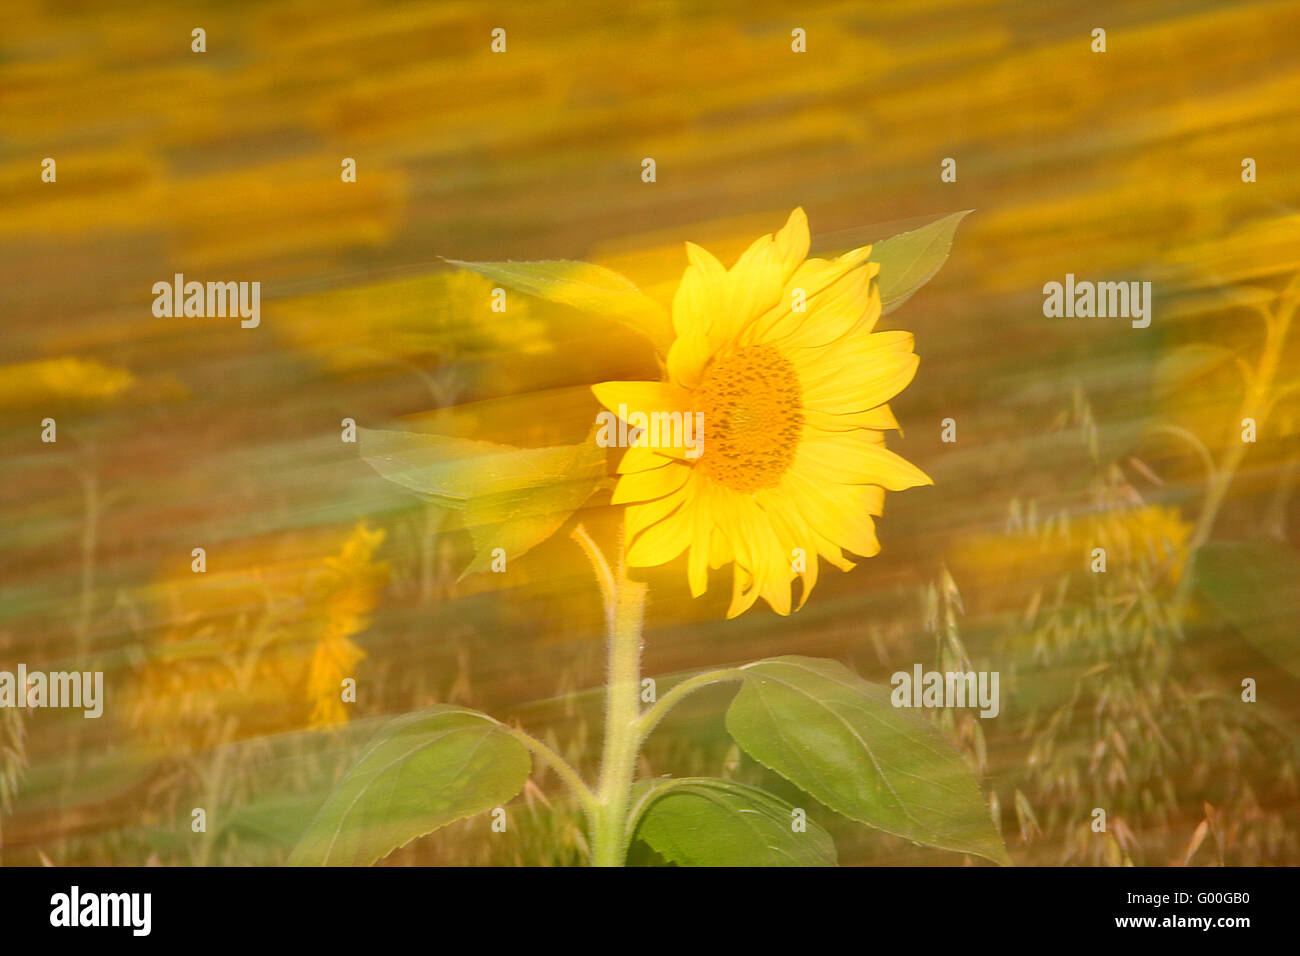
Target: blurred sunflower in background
column 778, row 359
column 1146, row 539
column 341, row 600
column 258, row 650
column 64, row 379
column 80, row 392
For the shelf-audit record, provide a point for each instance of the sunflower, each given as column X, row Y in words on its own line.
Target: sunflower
column 346, row 595
column 777, row 362
column 68, row 378
column 263, row 647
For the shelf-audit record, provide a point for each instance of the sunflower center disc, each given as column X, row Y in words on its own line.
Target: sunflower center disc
column 752, row 418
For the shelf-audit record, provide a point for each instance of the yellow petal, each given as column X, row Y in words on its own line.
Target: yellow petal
column 773, row 572
column 642, row 515
column 793, row 532
column 818, row 278
column 849, row 305
column 697, row 570
column 660, row 413
column 879, row 418
column 720, row 550
column 640, row 396
column 758, row 552
column 702, row 294
column 792, row 242
column 648, row 485
column 665, row 539
column 842, row 515
column 687, row 357
column 755, row 284
column 743, row 592
column 857, row 381
column 855, row 458
column 641, row 458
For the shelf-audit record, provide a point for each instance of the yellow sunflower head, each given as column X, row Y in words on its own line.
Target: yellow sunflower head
column 765, row 447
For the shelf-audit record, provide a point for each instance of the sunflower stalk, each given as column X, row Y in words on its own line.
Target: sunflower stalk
column 625, row 617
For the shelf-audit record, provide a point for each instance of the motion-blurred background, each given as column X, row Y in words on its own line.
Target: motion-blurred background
column 1120, row 691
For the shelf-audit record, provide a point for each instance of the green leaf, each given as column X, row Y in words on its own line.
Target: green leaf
column 513, row 498
column 420, row 772
column 700, row 821
column 910, row 259
column 1253, row 584
column 587, row 287
column 839, row 738
column 274, row 819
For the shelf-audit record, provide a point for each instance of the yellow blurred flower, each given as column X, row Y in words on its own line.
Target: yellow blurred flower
column 345, row 594
column 426, row 319
column 1150, row 538
column 60, row 379
column 791, row 403
column 260, row 650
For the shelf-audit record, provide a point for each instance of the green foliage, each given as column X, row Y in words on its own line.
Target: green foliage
column 276, row 820
column 420, row 772
column 699, row 821
column 512, row 498
column 910, row 259
column 840, row 738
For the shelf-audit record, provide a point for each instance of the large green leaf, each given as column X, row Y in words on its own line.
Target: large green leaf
column 1255, row 585
column 420, row 772
column 584, row 286
column 513, row 498
column 275, row 819
column 910, row 259
column 700, row 821
column 839, row 738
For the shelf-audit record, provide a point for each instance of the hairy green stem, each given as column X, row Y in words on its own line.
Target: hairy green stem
column 604, row 576
column 609, row 809
column 622, row 712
